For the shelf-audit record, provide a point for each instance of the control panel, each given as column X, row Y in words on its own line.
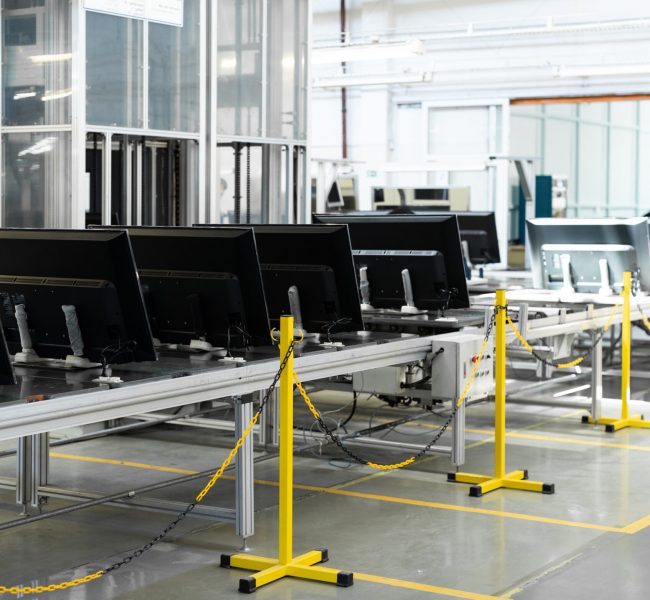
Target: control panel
column 451, row 368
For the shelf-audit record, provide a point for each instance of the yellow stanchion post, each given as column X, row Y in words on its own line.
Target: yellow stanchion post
column 625, row 420
column 303, row 567
column 515, row 480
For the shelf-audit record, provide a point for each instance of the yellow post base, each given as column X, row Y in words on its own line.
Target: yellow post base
column 271, row 570
column 517, row 480
column 612, row 425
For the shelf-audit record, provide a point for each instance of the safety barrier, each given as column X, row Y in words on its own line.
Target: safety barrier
column 284, row 370
column 516, row 480
column 626, row 420
column 286, row 565
column 576, row 361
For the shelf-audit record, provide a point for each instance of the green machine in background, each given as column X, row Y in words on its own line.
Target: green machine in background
column 543, row 204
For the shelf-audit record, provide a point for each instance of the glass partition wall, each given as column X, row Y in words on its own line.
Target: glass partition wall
column 110, row 119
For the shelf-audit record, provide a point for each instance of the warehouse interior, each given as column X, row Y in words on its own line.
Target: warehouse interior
column 315, row 299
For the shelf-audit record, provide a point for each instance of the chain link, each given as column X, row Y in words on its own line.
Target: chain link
column 645, row 319
column 577, row 360
column 457, row 405
column 15, row 590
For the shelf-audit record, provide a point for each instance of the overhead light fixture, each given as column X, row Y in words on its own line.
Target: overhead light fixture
column 40, row 147
column 603, row 70
column 380, row 79
column 50, row 58
column 358, row 52
column 227, row 66
column 23, row 95
column 58, row 95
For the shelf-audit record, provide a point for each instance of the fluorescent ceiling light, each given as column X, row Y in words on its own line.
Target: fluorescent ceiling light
column 49, row 96
column 227, row 66
column 40, row 147
column 357, row 52
column 604, row 70
column 380, row 79
column 21, row 95
column 49, row 58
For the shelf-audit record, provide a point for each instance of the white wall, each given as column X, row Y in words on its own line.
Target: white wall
column 475, row 49
column 602, row 147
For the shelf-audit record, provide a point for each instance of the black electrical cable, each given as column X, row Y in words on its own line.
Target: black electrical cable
column 354, row 410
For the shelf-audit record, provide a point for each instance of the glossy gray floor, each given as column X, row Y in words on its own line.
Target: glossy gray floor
column 406, row 534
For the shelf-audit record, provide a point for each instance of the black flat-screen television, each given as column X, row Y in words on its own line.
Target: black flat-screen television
column 201, row 285
column 316, row 261
column 477, row 228
column 7, row 375
column 385, row 277
column 408, row 232
column 79, row 293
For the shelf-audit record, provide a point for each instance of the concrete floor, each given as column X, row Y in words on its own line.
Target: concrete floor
column 406, row 534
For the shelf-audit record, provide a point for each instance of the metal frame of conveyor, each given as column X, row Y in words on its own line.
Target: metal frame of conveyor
column 32, row 422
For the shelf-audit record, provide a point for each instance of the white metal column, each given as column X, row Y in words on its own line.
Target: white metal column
column 77, row 167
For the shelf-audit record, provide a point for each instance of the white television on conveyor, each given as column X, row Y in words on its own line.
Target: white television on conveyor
column 589, row 255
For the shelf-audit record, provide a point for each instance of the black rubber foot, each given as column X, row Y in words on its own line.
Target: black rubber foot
column 451, row 476
column 344, row 579
column 548, row 488
column 525, row 474
column 642, row 417
column 247, row 585
column 475, row 491
column 324, row 555
column 585, row 419
column 225, row 561
column 610, row 429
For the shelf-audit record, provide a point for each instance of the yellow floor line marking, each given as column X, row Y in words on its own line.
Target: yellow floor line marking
column 637, row 526
column 124, row 463
column 458, row 508
column 423, row 587
column 541, row 437
column 632, row 528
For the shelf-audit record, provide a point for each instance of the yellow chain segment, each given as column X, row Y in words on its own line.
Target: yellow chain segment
column 15, row 590
column 572, row 363
column 55, row 587
column 226, row 463
column 646, row 322
column 400, row 465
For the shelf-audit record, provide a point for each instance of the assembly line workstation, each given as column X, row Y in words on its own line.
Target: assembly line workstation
column 62, row 385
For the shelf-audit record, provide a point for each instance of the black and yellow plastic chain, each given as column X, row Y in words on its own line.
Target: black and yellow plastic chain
column 457, row 405
column 64, row 585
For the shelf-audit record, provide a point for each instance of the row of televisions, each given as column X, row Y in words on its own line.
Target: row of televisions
column 111, row 295
column 206, row 287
